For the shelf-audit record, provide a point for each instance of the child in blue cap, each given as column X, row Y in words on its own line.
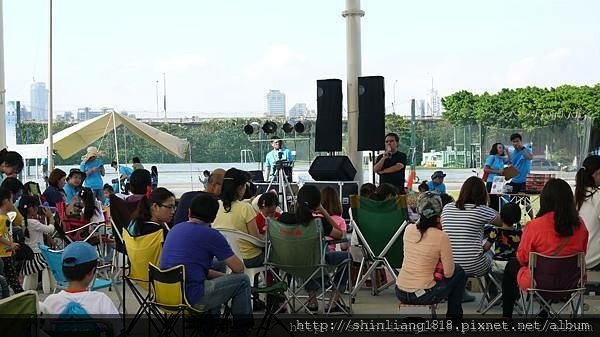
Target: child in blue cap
column 79, row 262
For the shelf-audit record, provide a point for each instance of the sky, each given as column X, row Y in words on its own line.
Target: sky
column 221, row 57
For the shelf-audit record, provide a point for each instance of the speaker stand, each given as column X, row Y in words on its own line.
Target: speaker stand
column 372, row 157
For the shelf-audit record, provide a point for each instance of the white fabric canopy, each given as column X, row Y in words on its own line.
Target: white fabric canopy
column 77, row 137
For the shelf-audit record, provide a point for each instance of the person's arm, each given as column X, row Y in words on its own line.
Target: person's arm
column 379, row 162
column 490, row 239
column 336, row 232
column 11, row 245
column 213, row 274
column 235, row 264
column 398, row 166
column 252, row 228
column 527, row 153
column 488, row 166
column 526, row 244
column 446, row 256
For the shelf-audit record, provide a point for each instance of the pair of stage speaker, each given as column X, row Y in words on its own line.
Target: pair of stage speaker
column 328, row 133
column 371, row 114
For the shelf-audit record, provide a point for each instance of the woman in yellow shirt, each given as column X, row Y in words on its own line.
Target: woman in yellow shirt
column 239, row 215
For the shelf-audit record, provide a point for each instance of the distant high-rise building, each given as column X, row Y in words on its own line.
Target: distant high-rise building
column 275, row 104
column 86, row 113
column 39, row 101
column 298, row 111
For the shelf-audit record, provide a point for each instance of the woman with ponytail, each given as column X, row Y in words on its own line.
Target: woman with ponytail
column 308, row 207
column 34, row 230
column 587, row 200
column 425, row 245
column 239, row 215
column 153, row 213
column 92, row 208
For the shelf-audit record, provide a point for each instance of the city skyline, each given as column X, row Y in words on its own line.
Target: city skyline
column 213, row 52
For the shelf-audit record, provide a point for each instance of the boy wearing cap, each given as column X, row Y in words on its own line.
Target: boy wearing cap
column 73, row 185
column 79, row 261
column 437, row 182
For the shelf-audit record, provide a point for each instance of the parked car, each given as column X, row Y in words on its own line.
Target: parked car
column 538, row 164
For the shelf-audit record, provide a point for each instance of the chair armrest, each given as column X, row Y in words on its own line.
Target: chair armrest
column 243, row 236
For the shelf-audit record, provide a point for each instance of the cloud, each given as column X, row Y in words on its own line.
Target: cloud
column 275, row 60
column 545, row 69
column 181, row 62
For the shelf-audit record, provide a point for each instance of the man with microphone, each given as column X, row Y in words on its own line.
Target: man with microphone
column 279, row 152
column 391, row 165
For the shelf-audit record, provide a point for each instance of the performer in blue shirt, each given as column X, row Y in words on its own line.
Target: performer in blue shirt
column 274, row 155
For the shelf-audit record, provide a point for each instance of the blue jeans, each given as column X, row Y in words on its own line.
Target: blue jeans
column 219, row 290
column 255, row 262
column 451, row 288
column 341, row 276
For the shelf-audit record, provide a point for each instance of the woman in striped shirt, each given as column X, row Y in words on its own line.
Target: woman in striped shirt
column 464, row 220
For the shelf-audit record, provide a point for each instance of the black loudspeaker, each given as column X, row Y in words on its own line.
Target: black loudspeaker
column 332, row 168
column 344, row 190
column 257, row 176
column 328, row 129
column 371, row 113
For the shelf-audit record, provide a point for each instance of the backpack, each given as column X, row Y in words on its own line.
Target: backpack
column 74, row 309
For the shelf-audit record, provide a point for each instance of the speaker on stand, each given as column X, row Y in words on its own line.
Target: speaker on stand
column 371, row 116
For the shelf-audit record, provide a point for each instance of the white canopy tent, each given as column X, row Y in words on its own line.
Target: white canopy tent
column 77, row 137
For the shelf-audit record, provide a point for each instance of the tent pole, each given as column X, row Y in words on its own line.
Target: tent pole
column 112, row 115
column 191, row 172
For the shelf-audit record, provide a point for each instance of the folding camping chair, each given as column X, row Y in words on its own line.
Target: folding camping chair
column 141, row 251
column 379, row 226
column 556, row 279
column 167, row 296
column 54, row 260
column 24, row 307
column 299, row 252
column 232, row 237
column 120, row 216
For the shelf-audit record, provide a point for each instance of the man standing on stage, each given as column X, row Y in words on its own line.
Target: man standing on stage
column 391, row 165
column 520, row 158
column 279, row 152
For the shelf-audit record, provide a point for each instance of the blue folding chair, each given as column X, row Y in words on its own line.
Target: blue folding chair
column 54, row 260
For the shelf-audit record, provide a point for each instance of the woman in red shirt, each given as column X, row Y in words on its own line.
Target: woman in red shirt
column 557, row 230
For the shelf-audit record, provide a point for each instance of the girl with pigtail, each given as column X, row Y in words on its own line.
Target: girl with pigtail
column 34, row 230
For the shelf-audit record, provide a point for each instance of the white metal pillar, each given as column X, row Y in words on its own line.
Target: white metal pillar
column 2, row 84
column 353, row 13
column 50, row 100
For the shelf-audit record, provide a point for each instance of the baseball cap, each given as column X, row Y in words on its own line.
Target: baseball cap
column 429, row 204
column 438, row 174
column 77, row 253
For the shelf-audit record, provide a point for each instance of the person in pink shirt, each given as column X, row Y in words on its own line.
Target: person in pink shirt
column 557, row 230
column 330, row 200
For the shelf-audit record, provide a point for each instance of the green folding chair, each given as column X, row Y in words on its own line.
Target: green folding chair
column 379, row 226
column 23, row 307
column 299, row 253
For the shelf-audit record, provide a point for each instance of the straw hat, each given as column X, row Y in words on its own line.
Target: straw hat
column 92, row 151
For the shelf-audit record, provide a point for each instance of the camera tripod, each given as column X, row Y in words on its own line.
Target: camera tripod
column 284, row 190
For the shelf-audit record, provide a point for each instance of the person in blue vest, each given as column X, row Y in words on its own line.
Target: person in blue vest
column 93, row 168
column 124, row 172
column 436, row 184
